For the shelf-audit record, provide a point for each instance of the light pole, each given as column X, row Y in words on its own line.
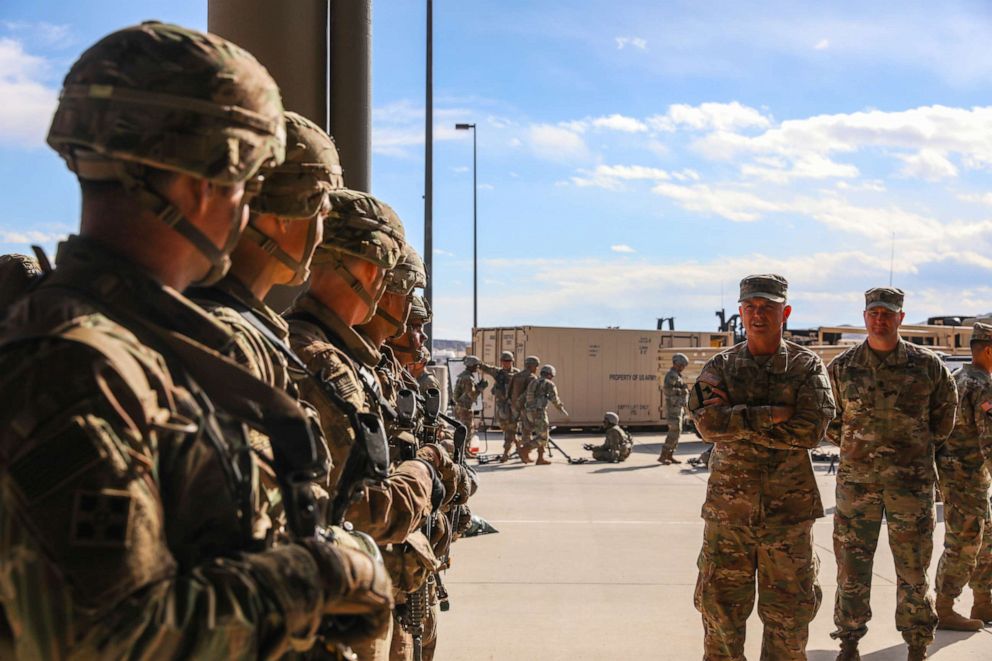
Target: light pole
column 475, row 226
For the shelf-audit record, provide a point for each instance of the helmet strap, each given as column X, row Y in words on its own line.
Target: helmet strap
column 356, row 286
column 301, row 271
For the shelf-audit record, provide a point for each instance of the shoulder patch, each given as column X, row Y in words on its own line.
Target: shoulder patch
column 101, row 519
column 709, row 379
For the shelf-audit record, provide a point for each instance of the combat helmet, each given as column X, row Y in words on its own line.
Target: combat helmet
column 360, row 226
column 471, row 362
column 420, row 311
column 680, row 359
column 408, row 274
column 548, row 371
column 297, row 189
column 611, row 418
column 18, row 273
column 532, row 361
column 506, row 355
column 164, row 97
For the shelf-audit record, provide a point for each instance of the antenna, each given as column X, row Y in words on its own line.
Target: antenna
column 892, row 257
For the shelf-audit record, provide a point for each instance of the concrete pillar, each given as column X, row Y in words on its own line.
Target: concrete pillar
column 351, row 88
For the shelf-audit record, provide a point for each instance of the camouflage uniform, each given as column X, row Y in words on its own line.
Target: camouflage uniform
column 106, row 550
column 518, row 404
column 465, row 394
column 616, row 447
column 964, row 483
column 540, row 393
column 676, row 396
column 503, row 415
column 892, row 412
column 761, row 499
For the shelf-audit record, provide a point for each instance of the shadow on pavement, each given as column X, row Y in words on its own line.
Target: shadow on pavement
column 898, row 652
column 625, row 469
column 489, row 468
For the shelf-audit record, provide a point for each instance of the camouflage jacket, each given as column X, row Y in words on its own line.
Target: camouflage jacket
column 540, row 393
column 617, row 438
column 676, row 393
column 970, row 444
column 390, row 511
column 501, row 381
column 891, row 414
column 108, row 452
column 465, row 391
column 760, row 472
column 518, row 388
column 426, row 381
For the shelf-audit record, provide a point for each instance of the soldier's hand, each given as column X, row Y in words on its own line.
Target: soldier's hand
column 782, row 414
column 446, row 469
column 353, row 583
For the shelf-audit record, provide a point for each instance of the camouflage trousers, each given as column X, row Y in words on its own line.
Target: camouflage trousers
column 504, row 418
column 540, row 425
column 781, row 562
column 909, row 515
column 674, row 431
column 967, row 557
column 605, row 453
column 401, row 648
column 464, row 416
column 376, row 649
column 523, row 427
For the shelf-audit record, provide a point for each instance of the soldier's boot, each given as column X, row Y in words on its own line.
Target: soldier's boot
column 917, row 653
column 982, row 608
column 672, row 459
column 949, row 620
column 665, row 457
column 541, row 461
column 849, row 651
column 505, row 457
column 524, row 453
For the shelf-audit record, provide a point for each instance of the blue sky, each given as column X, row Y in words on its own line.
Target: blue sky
column 632, row 164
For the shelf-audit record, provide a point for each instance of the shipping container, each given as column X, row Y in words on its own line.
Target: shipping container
column 598, row 369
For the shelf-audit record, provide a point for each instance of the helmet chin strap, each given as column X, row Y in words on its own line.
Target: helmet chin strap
column 369, row 298
column 301, row 270
column 399, row 327
column 220, row 262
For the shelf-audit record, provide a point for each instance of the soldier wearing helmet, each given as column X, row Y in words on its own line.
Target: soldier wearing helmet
column 616, row 447
column 540, row 393
column 503, row 415
column 408, row 346
column 518, row 397
column 676, row 395
column 166, row 129
column 468, row 388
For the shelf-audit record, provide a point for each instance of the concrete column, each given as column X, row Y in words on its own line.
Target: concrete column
column 351, row 88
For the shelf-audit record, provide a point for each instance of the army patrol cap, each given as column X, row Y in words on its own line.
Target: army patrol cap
column 611, row 418
column 532, row 361
column 506, row 355
column 889, row 298
column 981, row 332
column 361, row 226
column 769, row 286
column 680, row 359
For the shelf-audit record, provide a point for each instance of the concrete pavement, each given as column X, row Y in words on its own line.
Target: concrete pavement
column 597, row 561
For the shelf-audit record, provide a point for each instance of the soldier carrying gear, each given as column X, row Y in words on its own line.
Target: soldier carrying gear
column 503, row 413
column 518, row 395
column 124, row 123
column 395, row 305
column 467, row 391
column 147, row 431
column 540, row 393
column 618, row 443
column 676, row 395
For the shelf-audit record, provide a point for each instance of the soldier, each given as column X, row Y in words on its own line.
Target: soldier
column 467, row 391
column 425, row 380
column 964, row 481
column 501, row 395
column 540, row 393
column 518, row 401
column 763, row 403
column 18, row 273
column 676, row 396
column 121, row 417
column 363, row 241
column 616, row 447
column 896, row 402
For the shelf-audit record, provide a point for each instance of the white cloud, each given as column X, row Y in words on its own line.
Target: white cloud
column 822, row 44
column 928, row 164
column 622, row 248
column 486, row 187
column 49, row 34
column 611, row 176
column 709, row 117
column 979, row 198
column 556, row 143
column 460, row 169
column 28, row 103
column 617, row 122
column 636, row 42
column 28, row 237
column 398, row 128
column 806, row 166
column 735, row 205
column 444, row 253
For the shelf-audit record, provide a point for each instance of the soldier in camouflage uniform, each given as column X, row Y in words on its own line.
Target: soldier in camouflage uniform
column 467, row 391
column 616, row 447
column 540, row 393
column 896, row 403
column 18, row 273
column 107, row 549
column 763, row 404
column 964, row 481
column 501, row 399
column 518, row 402
column 363, row 241
column 676, row 395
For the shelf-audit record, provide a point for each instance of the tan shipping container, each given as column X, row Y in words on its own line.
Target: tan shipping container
column 598, row 369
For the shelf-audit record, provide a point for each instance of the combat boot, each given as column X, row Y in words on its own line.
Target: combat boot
column 665, row 457
column 849, row 651
column 949, row 620
column 541, row 461
column 524, row 453
column 982, row 608
column 673, row 460
column 917, row 653
column 505, row 458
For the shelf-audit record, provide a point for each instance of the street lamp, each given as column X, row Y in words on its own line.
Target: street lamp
column 475, row 227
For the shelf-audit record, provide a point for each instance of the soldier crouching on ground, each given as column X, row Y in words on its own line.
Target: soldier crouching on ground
column 896, row 403
column 616, row 447
column 121, row 418
column 763, row 404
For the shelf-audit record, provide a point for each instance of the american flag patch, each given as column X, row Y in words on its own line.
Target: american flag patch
column 709, row 379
